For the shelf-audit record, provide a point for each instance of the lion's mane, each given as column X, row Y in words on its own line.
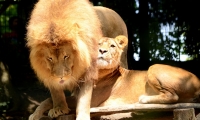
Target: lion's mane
column 58, row 23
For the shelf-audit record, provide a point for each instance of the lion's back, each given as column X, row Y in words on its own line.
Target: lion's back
column 112, row 23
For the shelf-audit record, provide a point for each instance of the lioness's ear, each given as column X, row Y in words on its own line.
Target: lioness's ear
column 121, row 40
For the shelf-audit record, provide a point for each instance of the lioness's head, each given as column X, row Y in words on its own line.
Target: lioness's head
column 110, row 50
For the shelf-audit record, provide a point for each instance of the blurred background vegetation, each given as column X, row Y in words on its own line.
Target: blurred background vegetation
column 160, row 31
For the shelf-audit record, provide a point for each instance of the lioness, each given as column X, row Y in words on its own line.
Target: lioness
column 159, row 84
column 63, row 39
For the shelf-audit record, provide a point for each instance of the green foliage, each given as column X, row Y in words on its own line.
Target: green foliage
column 4, row 17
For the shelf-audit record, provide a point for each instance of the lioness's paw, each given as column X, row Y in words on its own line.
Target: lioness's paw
column 57, row 111
column 143, row 99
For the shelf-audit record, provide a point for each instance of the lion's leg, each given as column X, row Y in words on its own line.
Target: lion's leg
column 60, row 106
column 43, row 107
column 162, row 94
column 84, row 101
column 163, row 97
column 85, row 93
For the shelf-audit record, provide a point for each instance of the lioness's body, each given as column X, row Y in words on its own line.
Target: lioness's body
column 160, row 84
column 118, row 86
column 63, row 39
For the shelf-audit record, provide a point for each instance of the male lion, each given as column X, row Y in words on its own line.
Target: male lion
column 63, row 39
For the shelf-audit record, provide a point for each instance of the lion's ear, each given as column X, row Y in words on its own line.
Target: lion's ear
column 121, row 40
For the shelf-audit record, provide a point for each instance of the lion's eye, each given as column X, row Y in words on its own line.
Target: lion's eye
column 50, row 59
column 66, row 56
column 112, row 45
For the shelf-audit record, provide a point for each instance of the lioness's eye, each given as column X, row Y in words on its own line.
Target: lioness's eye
column 112, row 45
column 66, row 56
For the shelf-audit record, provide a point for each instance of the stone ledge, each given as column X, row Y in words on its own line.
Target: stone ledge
column 179, row 111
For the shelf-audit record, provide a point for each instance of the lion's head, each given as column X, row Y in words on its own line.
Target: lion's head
column 63, row 46
column 110, row 50
column 61, row 63
column 57, row 65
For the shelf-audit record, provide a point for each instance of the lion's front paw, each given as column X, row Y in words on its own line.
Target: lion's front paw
column 82, row 116
column 55, row 112
column 143, row 99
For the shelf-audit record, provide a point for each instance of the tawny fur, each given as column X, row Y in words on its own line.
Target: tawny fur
column 58, row 26
column 63, row 39
column 63, row 50
column 159, row 84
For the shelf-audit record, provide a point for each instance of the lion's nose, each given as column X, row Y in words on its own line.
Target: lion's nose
column 102, row 51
